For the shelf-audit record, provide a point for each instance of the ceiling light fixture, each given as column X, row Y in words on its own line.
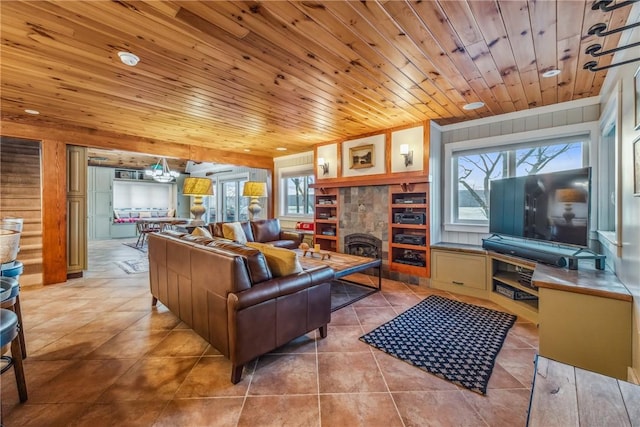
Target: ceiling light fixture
column 551, row 73
column 281, row 149
column 128, row 58
column 473, row 105
column 34, row 112
column 160, row 172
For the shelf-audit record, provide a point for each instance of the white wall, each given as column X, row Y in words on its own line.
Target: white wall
column 627, row 265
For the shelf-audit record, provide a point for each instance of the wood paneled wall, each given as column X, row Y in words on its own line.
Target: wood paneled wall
column 20, row 197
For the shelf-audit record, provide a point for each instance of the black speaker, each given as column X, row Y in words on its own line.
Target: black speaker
column 529, row 252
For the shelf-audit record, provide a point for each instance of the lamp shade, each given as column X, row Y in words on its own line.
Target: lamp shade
column 194, row 186
column 570, row 195
column 254, row 189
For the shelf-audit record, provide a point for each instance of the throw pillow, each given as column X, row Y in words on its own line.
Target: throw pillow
column 233, row 231
column 282, row 262
column 201, row 231
column 145, row 214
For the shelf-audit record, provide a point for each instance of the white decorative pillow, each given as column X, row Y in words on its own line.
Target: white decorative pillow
column 201, row 231
column 234, row 231
column 145, row 214
column 281, row 261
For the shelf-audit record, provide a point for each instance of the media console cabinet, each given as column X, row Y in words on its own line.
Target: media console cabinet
column 583, row 316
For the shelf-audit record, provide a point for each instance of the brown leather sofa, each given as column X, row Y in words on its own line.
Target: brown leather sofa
column 226, row 292
column 264, row 231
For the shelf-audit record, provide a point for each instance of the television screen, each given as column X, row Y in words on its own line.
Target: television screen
column 553, row 206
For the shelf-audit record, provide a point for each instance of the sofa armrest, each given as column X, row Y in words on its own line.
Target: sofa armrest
column 291, row 235
column 278, row 287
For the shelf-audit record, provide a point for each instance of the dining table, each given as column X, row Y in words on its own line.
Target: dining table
column 154, row 224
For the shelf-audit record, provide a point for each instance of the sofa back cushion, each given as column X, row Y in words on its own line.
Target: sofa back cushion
column 233, row 231
column 266, row 230
column 255, row 261
column 216, row 229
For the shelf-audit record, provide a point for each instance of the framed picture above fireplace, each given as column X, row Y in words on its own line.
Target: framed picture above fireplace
column 363, row 156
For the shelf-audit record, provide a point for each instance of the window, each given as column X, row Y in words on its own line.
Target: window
column 234, row 206
column 472, row 170
column 297, row 196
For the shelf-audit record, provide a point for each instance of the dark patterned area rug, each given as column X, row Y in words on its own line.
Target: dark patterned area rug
column 453, row 340
column 344, row 293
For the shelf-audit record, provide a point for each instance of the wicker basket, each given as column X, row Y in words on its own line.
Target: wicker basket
column 9, row 245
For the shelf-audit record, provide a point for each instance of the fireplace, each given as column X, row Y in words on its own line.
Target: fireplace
column 362, row 244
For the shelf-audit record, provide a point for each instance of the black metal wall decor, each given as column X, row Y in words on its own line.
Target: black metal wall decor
column 604, row 5
column 600, row 30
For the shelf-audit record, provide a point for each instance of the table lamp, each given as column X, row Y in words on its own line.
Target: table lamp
column 254, row 190
column 197, row 187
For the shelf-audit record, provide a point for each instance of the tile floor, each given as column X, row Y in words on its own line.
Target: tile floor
column 99, row 355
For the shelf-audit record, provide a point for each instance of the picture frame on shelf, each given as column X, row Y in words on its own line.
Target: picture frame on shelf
column 362, row 157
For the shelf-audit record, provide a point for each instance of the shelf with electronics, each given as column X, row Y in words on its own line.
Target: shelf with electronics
column 409, row 229
column 326, row 218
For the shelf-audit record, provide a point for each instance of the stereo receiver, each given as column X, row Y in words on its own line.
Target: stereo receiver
column 410, row 239
column 409, row 218
column 410, row 201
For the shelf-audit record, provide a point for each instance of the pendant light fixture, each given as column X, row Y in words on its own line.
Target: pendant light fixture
column 160, row 171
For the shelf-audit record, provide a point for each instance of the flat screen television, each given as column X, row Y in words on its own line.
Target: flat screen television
column 553, row 207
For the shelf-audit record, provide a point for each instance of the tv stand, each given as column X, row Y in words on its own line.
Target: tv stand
column 557, row 256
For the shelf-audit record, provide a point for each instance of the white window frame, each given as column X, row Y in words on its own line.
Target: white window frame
column 610, row 117
column 283, row 174
column 590, row 128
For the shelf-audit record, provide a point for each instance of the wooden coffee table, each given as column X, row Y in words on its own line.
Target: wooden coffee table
column 342, row 264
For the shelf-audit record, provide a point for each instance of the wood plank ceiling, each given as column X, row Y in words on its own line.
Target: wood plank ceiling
column 240, row 75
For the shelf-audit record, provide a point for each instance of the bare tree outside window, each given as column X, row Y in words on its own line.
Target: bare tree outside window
column 475, row 171
column 299, row 200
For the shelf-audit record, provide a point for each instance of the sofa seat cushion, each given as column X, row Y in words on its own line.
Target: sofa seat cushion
column 282, row 262
column 255, row 260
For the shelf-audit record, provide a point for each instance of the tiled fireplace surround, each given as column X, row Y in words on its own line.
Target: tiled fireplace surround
column 366, row 210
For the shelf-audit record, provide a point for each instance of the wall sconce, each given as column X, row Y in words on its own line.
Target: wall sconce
column 408, row 154
column 324, row 166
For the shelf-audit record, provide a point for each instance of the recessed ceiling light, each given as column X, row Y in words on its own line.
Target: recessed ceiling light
column 281, row 149
column 247, row 150
column 551, row 73
column 34, row 112
column 473, row 105
column 128, row 58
